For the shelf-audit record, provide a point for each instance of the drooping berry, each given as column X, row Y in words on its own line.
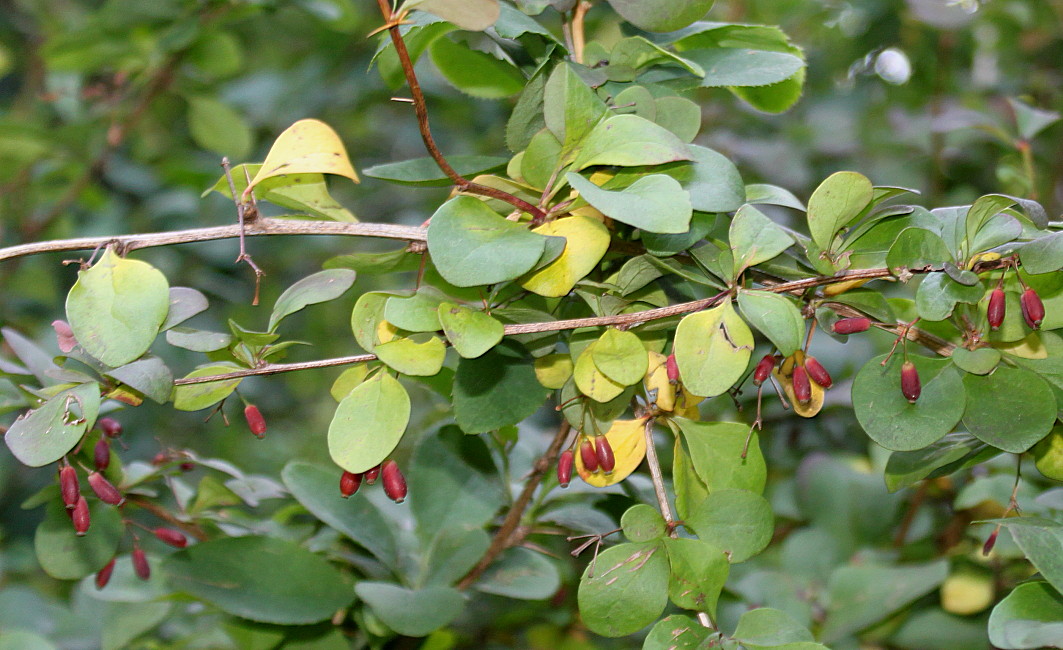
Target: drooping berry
column 255, row 421
column 672, row 367
column 763, row 369
column 817, row 373
column 101, row 455
column 589, row 456
column 349, row 483
column 140, row 563
column 105, row 490
column 111, row 428
column 995, row 312
column 393, row 480
column 851, row 325
column 103, row 576
column 172, row 537
column 910, row 386
column 80, row 516
column 802, row 386
column 371, row 475
column 68, row 486
column 1033, row 310
column 990, row 542
column 564, row 467
column 187, row 466
column 604, row 451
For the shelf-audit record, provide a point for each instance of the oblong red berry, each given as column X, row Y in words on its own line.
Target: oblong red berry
column 1033, row 310
column 105, row 490
column 564, row 467
column 69, row 486
column 995, row 312
column 255, row 421
column 817, row 373
column 763, row 369
column 80, row 516
column 111, row 427
column 172, row 537
column 140, row 563
column 851, row 325
column 604, row 451
column 393, row 480
column 910, row 386
column 802, row 387
column 371, row 475
column 103, row 576
column 589, row 456
column 672, row 367
column 101, row 454
column 990, row 542
column 349, row 483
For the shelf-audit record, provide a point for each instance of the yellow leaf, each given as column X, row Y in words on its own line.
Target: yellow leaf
column 813, row 406
column 657, row 379
column 628, row 440
column 591, row 382
column 553, row 370
column 587, row 241
column 842, row 287
column 687, row 405
column 306, row 147
column 385, row 332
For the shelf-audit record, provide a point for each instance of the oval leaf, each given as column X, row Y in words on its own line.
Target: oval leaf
column 624, row 589
column 712, row 348
column 411, row 612
column 470, row 332
column 657, row 202
column 319, row 287
column 836, row 203
column 586, row 241
column 776, row 317
column 306, row 147
column 47, row 433
column 1011, row 408
column 369, row 423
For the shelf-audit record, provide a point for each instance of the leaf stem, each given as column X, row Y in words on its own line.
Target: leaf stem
column 658, row 478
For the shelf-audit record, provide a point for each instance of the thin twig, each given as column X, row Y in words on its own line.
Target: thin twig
column 658, row 478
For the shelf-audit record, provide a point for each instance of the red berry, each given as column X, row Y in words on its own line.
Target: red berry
column 187, row 466
column 995, row 311
column 349, row 482
column 140, row 563
column 763, row 369
column 102, row 454
column 589, row 456
column 564, row 467
column 818, row 373
column 604, row 451
column 802, row 387
column 371, row 475
column 111, row 428
column 104, row 489
column 851, row 325
column 990, row 542
column 672, row 367
column 68, row 485
column 172, row 537
column 255, row 421
column 910, row 386
column 103, row 576
column 394, row 481
column 80, row 516
column 1033, row 310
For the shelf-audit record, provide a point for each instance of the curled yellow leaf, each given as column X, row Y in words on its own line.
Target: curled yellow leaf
column 657, row 380
column 784, row 374
column 587, row 241
column 842, row 287
column 628, row 440
column 306, row 147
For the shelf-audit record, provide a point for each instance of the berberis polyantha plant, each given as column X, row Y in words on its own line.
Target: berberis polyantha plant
column 608, row 269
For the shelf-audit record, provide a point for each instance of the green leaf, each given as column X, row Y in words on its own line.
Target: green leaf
column 260, row 578
column 956, row 450
column 412, row 358
column 620, row 356
column 755, row 238
column 527, row 118
column 1011, row 409
column 624, row 589
column 1030, row 120
column 66, row 556
column 474, row 72
column 1042, row 542
column 317, row 489
column 632, row 55
column 739, row 522
column 661, row 15
column 366, row 317
column 1031, row 616
column 776, row 317
column 123, row 623
column 416, row 313
column 716, row 453
column 698, row 573
column 184, row 304
column 192, row 397
column 711, row 178
column 1043, row 255
column 117, row 307
column 629, row 140
column 450, row 553
column 681, row 116
column 470, row 332
column 676, row 632
column 369, row 423
column 836, row 203
column 45, row 434
column 938, row 294
column 887, row 416
column 149, row 376
column 740, row 67
column 218, row 127
column 767, row 627
column 311, row 290
column 473, row 15
column 592, row 382
column 496, row 389
column 411, row 612
column 570, row 107
column 643, row 523
column 757, row 193
column 24, row 640
column 712, row 348
column 424, row 172
column 656, row 202
column 522, row 574
column 916, row 248
column 981, row 361
column 471, row 245
column 981, row 211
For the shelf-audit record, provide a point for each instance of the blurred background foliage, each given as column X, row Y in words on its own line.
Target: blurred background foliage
column 114, row 116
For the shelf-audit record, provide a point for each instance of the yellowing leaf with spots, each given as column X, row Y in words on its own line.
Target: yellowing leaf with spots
column 628, row 440
column 306, row 147
column 591, row 382
column 657, row 380
column 553, row 370
column 587, row 240
column 712, row 348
